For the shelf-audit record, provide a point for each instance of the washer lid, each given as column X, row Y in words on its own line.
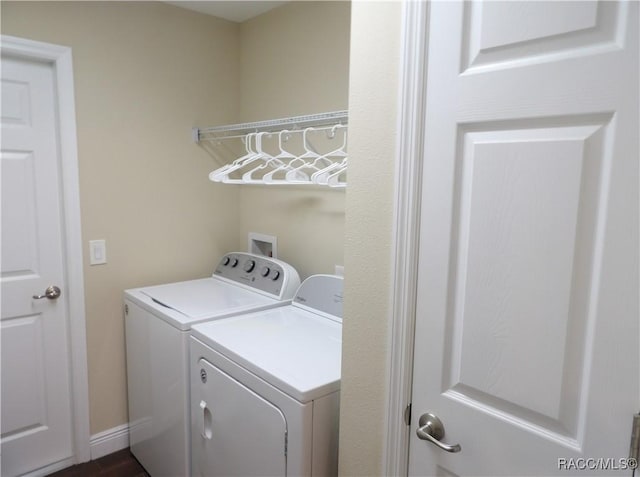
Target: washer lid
column 205, row 298
column 295, row 350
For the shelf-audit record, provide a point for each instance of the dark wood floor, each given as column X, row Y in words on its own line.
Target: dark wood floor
column 118, row 464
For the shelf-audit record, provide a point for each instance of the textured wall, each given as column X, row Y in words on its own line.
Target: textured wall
column 373, row 103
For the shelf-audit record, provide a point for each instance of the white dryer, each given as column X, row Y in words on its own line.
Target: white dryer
column 265, row 388
column 158, row 320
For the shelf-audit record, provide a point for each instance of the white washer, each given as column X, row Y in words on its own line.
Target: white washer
column 158, row 320
column 265, row 388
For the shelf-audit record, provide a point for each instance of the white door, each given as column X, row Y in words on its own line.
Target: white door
column 527, row 312
column 36, row 399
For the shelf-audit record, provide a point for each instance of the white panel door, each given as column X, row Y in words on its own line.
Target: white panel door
column 36, row 401
column 527, row 327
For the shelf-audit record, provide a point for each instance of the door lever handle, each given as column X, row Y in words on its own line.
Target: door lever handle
column 52, row 293
column 430, row 428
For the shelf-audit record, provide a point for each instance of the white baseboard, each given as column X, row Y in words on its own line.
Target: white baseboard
column 109, row 441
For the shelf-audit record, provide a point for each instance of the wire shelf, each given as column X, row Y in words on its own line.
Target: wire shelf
column 272, row 125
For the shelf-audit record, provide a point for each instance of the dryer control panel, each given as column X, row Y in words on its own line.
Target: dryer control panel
column 258, row 272
column 323, row 293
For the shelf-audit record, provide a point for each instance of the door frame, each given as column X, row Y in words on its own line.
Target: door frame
column 406, row 224
column 59, row 57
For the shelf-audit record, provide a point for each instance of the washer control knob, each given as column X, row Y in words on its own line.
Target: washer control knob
column 265, row 271
column 249, row 265
column 234, row 262
column 276, row 275
column 225, row 261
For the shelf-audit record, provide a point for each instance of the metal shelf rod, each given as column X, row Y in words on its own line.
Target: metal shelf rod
column 272, row 125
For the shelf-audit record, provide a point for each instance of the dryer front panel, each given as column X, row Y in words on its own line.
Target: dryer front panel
column 235, row 432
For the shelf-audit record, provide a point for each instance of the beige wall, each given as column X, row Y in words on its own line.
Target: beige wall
column 294, row 61
column 145, row 73
column 373, row 105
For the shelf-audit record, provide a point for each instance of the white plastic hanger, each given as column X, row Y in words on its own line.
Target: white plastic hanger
column 258, row 155
column 338, row 178
column 301, row 174
column 219, row 174
column 321, row 176
column 279, row 174
column 268, row 161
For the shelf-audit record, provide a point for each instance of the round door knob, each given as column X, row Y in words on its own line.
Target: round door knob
column 52, row 293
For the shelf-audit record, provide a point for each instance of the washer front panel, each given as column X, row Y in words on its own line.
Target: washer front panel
column 157, row 378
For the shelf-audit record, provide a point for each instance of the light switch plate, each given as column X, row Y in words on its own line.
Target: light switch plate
column 97, row 252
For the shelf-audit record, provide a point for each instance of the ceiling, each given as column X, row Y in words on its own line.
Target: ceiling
column 235, row 11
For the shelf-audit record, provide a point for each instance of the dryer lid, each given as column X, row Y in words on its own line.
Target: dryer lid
column 205, row 298
column 295, row 350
